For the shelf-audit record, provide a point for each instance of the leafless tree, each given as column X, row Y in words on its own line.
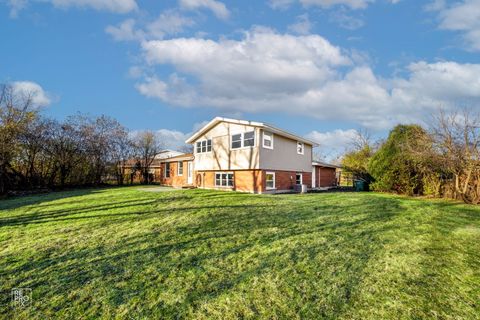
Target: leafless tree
column 16, row 112
column 457, row 138
column 148, row 145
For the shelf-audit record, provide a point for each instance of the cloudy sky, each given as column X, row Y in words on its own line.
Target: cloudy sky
column 319, row 68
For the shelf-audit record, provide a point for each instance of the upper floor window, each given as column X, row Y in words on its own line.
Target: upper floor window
column 204, row 146
column 300, row 147
column 244, row 139
column 268, row 140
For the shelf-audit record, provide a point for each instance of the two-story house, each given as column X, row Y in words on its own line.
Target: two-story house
column 250, row 156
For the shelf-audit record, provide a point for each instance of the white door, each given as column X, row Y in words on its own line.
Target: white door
column 190, row 172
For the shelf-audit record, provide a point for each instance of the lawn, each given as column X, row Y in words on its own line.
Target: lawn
column 131, row 254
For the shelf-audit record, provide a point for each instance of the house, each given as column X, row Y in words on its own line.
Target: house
column 250, row 156
column 169, row 168
column 325, row 175
column 177, row 171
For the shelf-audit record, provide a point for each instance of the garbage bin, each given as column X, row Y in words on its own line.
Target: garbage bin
column 360, row 185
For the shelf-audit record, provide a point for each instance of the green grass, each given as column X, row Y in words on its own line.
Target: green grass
column 126, row 253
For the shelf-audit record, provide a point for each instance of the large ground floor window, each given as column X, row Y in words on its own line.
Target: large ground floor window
column 223, row 179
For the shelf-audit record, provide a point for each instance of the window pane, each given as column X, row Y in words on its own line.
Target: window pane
column 204, row 146
column 249, row 139
column 217, row 179
column 299, row 147
column 236, row 141
column 298, row 179
column 209, row 145
column 249, row 135
column 270, row 183
column 236, row 144
column 267, row 139
column 230, row 180
column 199, row 147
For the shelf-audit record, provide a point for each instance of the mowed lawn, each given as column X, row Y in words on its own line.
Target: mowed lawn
column 130, row 254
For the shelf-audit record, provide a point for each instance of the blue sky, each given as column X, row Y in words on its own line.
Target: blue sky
column 320, row 68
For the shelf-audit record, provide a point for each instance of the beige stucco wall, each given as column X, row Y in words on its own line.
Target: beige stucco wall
column 284, row 156
column 222, row 157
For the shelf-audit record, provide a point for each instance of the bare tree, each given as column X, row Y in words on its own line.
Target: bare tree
column 148, row 145
column 16, row 112
column 457, row 138
column 122, row 149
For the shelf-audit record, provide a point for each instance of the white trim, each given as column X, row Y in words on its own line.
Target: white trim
column 206, row 146
column 242, row 140
column 190, row 172
column 221, row 186
column 178, row 168
column 270, row 134
column 301, row 178
column 274, row 182
column 303, row 147
column 169, row 170
column 314, row 176
column 268, row 127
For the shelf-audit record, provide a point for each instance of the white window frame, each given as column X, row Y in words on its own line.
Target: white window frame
column 270, row 135
column 274, row 184
column 169, row 170
column 178, row 168
column 201, row 146
column 221, row 179
column 301, row 178
column 303, row 147
column 242, row 140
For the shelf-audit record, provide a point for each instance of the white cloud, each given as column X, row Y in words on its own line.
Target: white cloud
column 353, row 4
column 33, row 91
column 344, row 20
column 270, row 72
column 169, row 22
column 464, row 17
column 332, row 144
column 218, row 8
column 172, row 139
column 115, row 6
column 125, row 31
column 302, row 26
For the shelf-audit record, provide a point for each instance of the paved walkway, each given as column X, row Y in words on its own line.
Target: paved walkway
column 158, row 189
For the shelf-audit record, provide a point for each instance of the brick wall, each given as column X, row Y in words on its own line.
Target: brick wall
column 174, row 180
column 285, row 180
column 325, row 177
column 252, row 180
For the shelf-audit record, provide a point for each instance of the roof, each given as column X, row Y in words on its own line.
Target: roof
column 262, row 125
column 324, row 164
column 167, row 153
column 183, row 156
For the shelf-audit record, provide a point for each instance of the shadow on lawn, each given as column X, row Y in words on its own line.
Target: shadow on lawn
column 218, row 252
column 45, row 199
column 223, row 248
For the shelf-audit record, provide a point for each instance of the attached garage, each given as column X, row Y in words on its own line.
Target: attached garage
column 325, row 175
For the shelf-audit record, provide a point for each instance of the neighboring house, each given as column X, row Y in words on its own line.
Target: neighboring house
column 170, row 168
column 325, row 175
column 177, row 171
column 250, row 156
